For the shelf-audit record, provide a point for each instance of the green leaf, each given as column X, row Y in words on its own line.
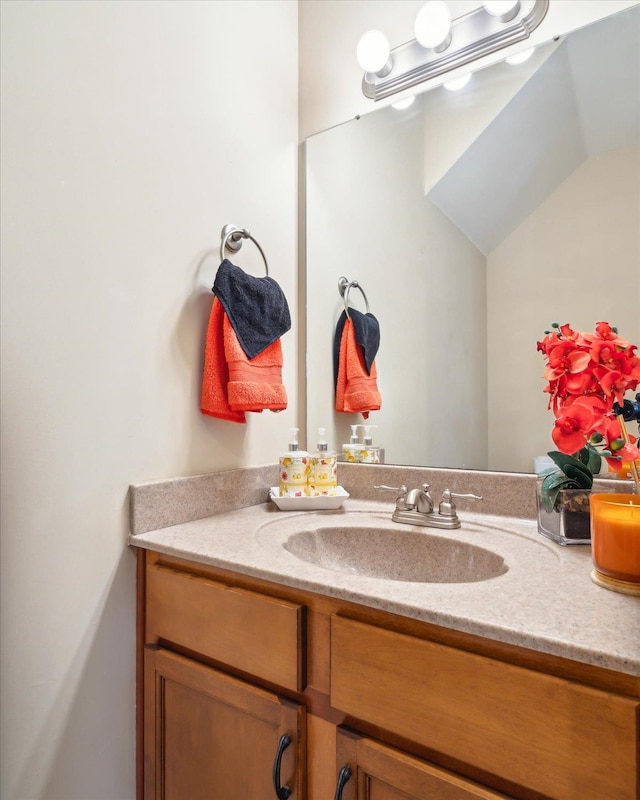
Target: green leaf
column 595, row 462
column 583, row 455
column 583, row 478
column 556, row 478
column 551, row 486
column 564, row 461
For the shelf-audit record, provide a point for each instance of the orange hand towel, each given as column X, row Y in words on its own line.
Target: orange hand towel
column 214, row 401
column 254, row 383
column 356, row 391
column 232, row 383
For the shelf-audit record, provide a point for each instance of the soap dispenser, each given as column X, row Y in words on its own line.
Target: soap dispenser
column 294, row 469
column 324, row 469
column 370, row 454
column 351, row 451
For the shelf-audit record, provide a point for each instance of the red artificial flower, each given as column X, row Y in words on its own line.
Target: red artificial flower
column 622, row 454
column 549, row 341
column 582, row 383
column 572, row 336
column 614, row 384
column 625, row 456
column 566, row 358
column 604, row 332
column 611, row 433
column 586, row 374
column 573, row 426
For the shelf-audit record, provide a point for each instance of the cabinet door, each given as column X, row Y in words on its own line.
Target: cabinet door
column 210, row 736
column 378, row 772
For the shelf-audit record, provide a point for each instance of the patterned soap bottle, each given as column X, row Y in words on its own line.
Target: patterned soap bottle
column 323, row 480
column 295, row 469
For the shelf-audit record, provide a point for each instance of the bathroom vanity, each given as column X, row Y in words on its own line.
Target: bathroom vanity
column 262, row 668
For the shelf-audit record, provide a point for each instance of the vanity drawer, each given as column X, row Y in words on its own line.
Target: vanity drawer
column 551, row 735
column 254, row 633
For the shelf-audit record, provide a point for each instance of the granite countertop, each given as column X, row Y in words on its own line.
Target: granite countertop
column 545, row 600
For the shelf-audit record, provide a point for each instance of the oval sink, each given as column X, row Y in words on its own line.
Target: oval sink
column 396, row 555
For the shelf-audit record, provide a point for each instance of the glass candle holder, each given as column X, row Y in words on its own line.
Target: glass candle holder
column 615, row 541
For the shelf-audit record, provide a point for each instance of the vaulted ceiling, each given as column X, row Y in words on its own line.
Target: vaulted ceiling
column 582, row 100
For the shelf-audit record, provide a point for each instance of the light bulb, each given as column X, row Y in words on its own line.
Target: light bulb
column 373, row 51
column 505, row 10
column 520, row 58
column 402, row 104
column 433, row 25
column 457, row 83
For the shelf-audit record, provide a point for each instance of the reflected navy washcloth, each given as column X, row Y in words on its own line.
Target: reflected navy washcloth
column 256, row 307
column 367, row 330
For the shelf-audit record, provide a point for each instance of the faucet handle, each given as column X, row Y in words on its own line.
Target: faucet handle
column 400, row 490
column 447, row 507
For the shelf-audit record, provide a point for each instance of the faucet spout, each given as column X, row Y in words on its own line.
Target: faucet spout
column 419, row 500
column 415, row 507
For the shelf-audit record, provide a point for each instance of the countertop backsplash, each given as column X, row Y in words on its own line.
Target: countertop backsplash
column 160, row 504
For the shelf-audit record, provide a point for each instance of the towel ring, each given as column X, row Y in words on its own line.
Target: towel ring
column 344, row 287
column 231, row 239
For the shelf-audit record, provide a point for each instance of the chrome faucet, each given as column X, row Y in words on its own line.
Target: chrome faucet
column 415, row 506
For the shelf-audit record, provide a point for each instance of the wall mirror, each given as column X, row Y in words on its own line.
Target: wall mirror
column 473, row 220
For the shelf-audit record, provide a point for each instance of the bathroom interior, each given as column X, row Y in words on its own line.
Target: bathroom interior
column 131, row 133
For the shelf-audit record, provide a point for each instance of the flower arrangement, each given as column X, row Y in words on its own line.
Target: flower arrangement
column 588, row 375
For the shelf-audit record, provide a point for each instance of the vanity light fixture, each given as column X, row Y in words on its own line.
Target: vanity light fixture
column 373, row 53
column 400, row 105
column 443, row 45
column 455, row 84
column 520, row 58
column 505, row 10
column 433, row 26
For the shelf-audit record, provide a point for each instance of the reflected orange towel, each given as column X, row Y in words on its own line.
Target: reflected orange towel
column 233, row 383
column 356, row 391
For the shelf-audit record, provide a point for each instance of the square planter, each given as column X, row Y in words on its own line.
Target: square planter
column 570, row 521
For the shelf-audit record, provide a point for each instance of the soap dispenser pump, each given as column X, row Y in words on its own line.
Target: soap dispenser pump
column 324, row 469
column 351, row 451
column 294, row 469
column 369, row 454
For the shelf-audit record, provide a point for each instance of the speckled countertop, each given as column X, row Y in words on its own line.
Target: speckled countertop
column 545, row 600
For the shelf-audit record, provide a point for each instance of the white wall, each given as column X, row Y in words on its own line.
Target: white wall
column 131, row 132
column 587, row 227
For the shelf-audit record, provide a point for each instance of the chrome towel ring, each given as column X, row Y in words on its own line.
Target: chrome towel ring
column 344, row 287
column 231, row 240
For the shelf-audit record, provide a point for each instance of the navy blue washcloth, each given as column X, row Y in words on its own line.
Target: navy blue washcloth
column 256, row 307
column 367, row 330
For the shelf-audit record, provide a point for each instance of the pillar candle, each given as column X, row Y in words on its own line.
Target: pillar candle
column 615, row 535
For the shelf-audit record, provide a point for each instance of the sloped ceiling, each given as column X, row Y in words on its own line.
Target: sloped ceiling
column 583, row 100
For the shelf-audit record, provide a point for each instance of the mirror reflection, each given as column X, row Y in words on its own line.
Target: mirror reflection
column 473, row 220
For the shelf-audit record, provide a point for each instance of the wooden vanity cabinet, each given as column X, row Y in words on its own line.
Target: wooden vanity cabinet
column 210, row 735
column 229, row 664
column 554, row 736
column 207, row 733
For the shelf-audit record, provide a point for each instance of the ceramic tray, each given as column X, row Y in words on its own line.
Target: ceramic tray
column 308, row 503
